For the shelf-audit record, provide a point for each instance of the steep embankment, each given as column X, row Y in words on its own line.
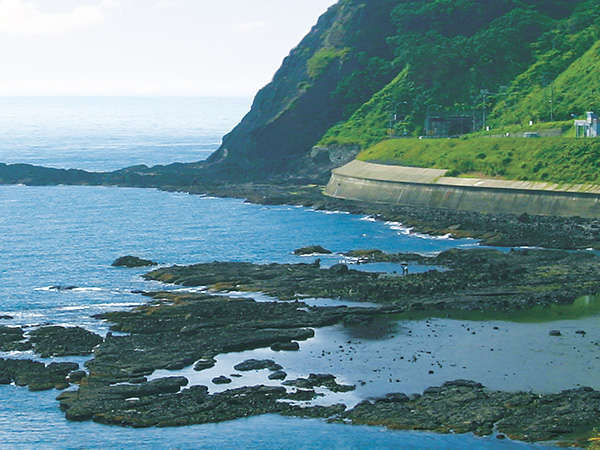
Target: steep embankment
column 556, row 160
column 370, row 67
column 512, row 59
column 336, row 67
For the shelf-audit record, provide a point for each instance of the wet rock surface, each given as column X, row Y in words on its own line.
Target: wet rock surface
column 132, row 261
column 213, row 325
column 465, row 406
column 320, row 380
column 285, row 347
column 477, row 279
column 257, row 364
column 192, row 405
column 13, row 339
column 63, row 341
column 37, row 375
column 182, row 329
column 221, row 380
column 311, row 250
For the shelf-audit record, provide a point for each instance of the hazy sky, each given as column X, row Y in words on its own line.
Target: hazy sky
column 148, row 47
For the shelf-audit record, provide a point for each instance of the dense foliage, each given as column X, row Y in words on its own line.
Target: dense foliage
column 506, row 58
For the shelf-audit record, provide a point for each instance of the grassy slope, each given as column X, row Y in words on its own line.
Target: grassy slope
column 563, row 53
column 559, row 160
column 576, row 90
column 368, row 124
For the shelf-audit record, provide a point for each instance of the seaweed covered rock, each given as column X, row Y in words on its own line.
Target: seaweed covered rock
column 312, row 250
column 320, row 380
column 257, row 364
column 37, row 375
column 13, row 339
column 132, row 261
column 63, row 341
column 464, row 406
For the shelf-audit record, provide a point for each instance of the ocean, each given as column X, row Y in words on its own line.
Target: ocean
column 69, row 236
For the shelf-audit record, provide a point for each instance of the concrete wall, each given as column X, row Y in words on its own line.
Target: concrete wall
column 361, row 181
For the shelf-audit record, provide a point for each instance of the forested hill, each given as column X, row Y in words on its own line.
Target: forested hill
column 365, row 60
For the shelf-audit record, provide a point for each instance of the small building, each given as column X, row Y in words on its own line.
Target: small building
column 448, row 125
column 589, row 127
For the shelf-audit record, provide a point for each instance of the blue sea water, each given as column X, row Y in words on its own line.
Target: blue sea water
column 108, row 133
column 68, row 236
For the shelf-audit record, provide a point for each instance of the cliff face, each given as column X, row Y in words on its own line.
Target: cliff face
column 366, row 61
column 291, row 113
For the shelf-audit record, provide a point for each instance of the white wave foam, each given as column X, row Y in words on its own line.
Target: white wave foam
column 45, row 288
column 368, row 219
column 88, row 289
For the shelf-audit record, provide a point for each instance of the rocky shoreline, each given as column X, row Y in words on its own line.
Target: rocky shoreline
column 179, row 329
column 477, row 279
column 492, row 229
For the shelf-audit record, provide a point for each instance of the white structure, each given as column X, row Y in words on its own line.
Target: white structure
column 589, row 127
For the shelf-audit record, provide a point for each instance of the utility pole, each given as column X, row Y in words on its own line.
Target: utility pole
column 394, row 116
column 551, row 103
column 484, row 93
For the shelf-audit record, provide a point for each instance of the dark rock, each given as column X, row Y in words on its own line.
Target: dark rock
column 180, row 363
column 132, row 261
column 257, row 364
column 13, row 339
column 476, row 279
column 555, row 333
column 320, row 380
column 285, row 346
column 465, row 406
column 221, row 380
column 204, row 364
column 36, row 375
column 313, row 249
column 397, row 398
column 77, row 376
column 61, row 341
column 302, row 395
column 62, row 288
column 278, row 375
column 581, row 332
column 339, row 269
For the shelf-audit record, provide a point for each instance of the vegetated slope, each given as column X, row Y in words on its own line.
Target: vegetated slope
column 451, row 51
column 338, row 66
column 558, row 160
column 365, row 60
column 573, row 91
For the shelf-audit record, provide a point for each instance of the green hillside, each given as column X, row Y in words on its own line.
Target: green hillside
column 522, row 53
column 372, row 68
column 558, row 160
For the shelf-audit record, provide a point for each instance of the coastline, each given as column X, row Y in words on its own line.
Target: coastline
column 503, row 230
column 276, row 194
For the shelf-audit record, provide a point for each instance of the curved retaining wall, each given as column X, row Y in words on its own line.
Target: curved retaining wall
column 427, row 187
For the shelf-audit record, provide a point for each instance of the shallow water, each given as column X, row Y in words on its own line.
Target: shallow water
column 68, row 236
column 410, row 356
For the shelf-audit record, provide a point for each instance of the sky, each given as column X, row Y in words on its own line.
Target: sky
column 148, row 47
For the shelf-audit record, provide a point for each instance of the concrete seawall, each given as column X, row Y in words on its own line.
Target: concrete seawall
column 430, row 188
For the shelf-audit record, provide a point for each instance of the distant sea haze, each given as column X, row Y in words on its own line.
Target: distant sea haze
column 109, row 133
